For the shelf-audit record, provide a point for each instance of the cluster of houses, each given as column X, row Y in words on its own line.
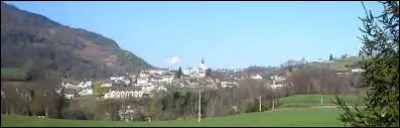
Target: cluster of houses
column 229, row 84
column 81, row 89
column 137, row 86
column 155, row 80
column 126, row 93
column 278, row 82
column 256, row 76
column 150, row 81
column 144, row 83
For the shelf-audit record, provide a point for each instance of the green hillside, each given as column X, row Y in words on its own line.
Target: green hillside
column 288, row 117
column 315, row 100
column 13, row 74
column 339, row 64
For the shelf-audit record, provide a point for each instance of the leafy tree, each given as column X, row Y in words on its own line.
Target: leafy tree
column 381, row 42
column 255, row 107
column 103, row 90
column 179, row 73
column 62, row 103
column 208, row 72
column 344, row 56
column 331, row 57
column 97, row 88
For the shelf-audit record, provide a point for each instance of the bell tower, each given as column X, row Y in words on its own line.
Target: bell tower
column 202, row 68
column 202, row 64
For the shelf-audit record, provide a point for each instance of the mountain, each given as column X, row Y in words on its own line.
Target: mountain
column 45, row 48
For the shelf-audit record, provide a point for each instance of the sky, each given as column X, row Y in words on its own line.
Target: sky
column 226, row 34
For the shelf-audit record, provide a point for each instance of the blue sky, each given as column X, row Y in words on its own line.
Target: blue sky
column 226, row 34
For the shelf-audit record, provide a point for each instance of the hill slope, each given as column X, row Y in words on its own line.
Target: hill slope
column 37, row 44
column 342, row 64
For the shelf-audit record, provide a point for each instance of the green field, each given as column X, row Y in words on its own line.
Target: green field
column 13, row 73
column 340, row 64
column 315, row 100
column 285, row 117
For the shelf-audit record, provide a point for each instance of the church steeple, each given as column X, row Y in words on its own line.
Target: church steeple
column 202, row 60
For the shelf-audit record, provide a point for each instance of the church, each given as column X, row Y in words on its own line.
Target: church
column 196, row 72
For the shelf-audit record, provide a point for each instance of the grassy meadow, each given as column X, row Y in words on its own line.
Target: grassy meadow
column 315, row 100
column 285, row 117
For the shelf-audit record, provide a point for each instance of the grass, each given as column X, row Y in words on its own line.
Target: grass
column 13, row 73
column 340, row 64
column 315, row 100
column 289, row 117
column 14, row 84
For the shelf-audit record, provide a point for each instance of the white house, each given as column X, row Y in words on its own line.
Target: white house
column 167, row 79
column 132, row 76
column 122, row 94
column 116, row 78
column 58, row 90
column 256, row 77
column 126, row 81
column 156, row 72
column 225, row 84
column 276, row 86
column 69, row 96
column 142, row 80
column 68, row 85
column 85, row 84
column 161, row 88
column 148, row 88
column 157, row 79
column 277, row 81
column 357, row 70
column 188, row 71
column 86, row 91
column 107, row 85
column 143, row 74
column 276, row 78
column 120, row 79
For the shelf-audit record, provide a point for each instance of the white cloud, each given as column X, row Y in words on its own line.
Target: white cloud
column 173, row 60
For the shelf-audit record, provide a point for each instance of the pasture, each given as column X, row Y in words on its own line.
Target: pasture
column 315, row 100
column 285, row 117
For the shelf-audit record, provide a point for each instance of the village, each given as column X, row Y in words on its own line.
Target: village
column 148, row 82
column 154, row 80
